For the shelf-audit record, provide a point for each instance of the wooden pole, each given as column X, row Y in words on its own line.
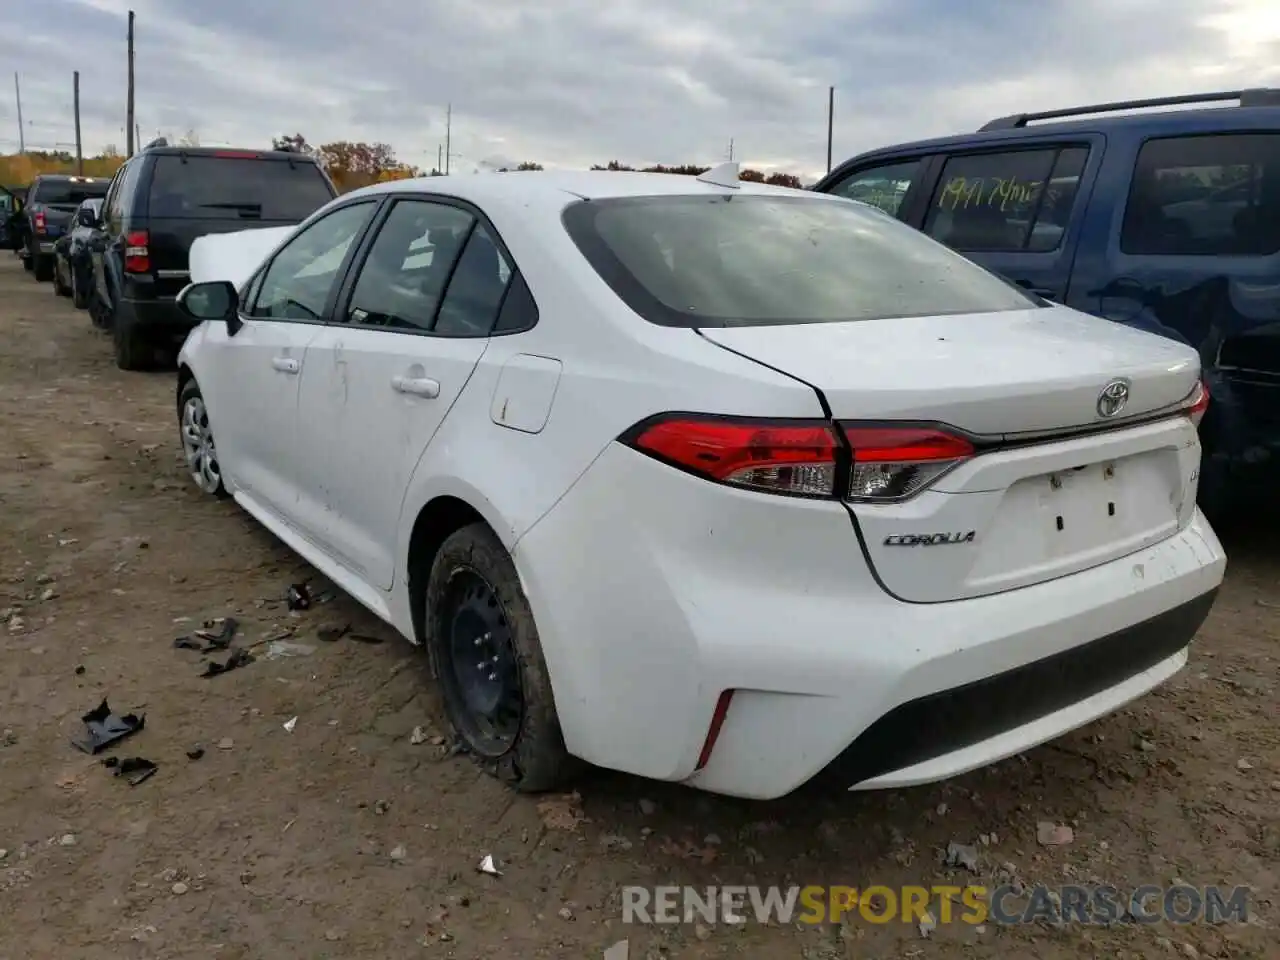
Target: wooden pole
column 17, row 92
column 831, row 120
column 129, row 124
column 79, row 151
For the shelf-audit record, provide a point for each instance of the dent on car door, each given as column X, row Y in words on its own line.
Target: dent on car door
column 392, row 372
column 252, row 378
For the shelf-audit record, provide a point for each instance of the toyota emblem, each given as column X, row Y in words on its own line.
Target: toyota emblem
column 1113, row 398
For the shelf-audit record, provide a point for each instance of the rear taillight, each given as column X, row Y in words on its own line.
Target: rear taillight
column 1197, row 402
column 803, row 458
column 775, row 456
column 894, row 463
column 137, row 252
column 40, row 222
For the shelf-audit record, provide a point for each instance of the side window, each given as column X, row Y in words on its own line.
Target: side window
column 1205, row 196
column 883, row 187
column 991, row 201
column 1059, row 199
column 471, row 302
column 402, row 280
column 519, row 311
column 126, row 179
column 297, row 282
column 249, row 292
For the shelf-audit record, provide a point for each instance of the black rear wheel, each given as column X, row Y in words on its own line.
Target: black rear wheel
column 485, row 651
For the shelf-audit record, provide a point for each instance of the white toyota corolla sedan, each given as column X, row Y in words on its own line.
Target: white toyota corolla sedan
column 702, row 480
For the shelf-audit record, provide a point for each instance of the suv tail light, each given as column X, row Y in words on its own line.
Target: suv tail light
column 40, row 221
column 894, row 463
column 806, row 458
column 137, row 254
column 1197, row 402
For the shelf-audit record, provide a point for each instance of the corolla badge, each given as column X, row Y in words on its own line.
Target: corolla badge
column 1113, row 398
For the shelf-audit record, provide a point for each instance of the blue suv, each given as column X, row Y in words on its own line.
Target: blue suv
column 1163, row 214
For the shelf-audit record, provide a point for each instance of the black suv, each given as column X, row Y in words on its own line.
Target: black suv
column 159, row 202
column 52, row 201
column 1168, row 221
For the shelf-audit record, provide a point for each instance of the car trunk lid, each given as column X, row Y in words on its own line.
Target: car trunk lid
column 1049, row 479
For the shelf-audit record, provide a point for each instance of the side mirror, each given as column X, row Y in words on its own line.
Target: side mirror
column 86, row 218
column 215, row 300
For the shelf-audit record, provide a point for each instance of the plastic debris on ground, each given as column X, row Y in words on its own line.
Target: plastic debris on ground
column 280, row 649
column 238, row 658
column 488, row 866
column 290, row 724
column 133, row 769
column 103, row 728
column 207, row 641
column 299, row 597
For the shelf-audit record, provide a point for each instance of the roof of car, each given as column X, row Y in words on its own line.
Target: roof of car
column 70, row 176
column 586, row 184
column 174, row 150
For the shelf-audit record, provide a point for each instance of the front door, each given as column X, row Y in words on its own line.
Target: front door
column 381, row 383
column 258, row 370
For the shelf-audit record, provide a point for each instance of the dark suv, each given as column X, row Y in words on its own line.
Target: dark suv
column 1168, row 221
column 52, row 201
column 159, row 202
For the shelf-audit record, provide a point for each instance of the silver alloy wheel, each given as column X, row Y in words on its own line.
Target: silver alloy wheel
column 197, row 444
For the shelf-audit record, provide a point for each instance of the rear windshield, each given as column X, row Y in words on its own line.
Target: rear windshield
column 751, row 260
column 233, row 188
column 68, row 193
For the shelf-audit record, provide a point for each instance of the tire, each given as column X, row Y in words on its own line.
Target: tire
column 43, row 268
column 60, row 288
column 29, row 261
column 477, row 618
column 133, row 348
column 79, row 296
column 195, row 435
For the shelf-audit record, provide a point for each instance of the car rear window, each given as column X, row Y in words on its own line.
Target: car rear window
column 236, row 188
column 68, row 193
column 752, row 259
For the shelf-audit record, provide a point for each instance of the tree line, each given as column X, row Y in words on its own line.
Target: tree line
column 350, row 164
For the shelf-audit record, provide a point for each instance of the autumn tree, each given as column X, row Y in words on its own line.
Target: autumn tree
column 292, row 142
column 356, row 164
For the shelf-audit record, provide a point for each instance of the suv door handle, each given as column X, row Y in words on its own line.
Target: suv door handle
column 417, row 386
column 285, row 364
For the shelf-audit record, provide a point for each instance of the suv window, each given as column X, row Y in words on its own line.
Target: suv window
column 125, row 182
column 297, row 283
column 67, row 193
column 884, row 187
column 209, row 187
column 1205, row 196
column 755, row 259
column 1015, row 201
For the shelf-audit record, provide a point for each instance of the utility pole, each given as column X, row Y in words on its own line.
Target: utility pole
column 130, row 127
column 439, row 159
column 17, row 92
column 448, row 131
column 831, row 120
column 79, row 151
column 731, row 149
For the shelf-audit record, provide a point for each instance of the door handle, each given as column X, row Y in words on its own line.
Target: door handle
column 417, row 386
column 285, row 364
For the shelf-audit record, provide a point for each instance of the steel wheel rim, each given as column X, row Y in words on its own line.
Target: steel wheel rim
column 197, row 446
column 483, row 670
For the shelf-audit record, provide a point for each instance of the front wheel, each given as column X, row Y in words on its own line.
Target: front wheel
column 43, row 267
column 60, row 285
column 485, row 651
column 79, row 295
column 198, row 448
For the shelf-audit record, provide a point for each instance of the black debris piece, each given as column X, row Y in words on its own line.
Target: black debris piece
column 365, row 638
column 134, row 769
column 222, row 639
column 332, row 634
column 188, row 643
column 80, row 670
column 238, row 658
column 195, row 753
column 299, row 597
column 103, row 728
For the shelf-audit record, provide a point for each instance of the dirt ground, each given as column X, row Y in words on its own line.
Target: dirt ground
column 345, row 838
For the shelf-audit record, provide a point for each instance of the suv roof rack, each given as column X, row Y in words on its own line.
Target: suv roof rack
column 157, row 142
column 1256, row 97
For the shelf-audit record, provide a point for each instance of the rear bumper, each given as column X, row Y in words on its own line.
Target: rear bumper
column 655, row 591
column 160, row 316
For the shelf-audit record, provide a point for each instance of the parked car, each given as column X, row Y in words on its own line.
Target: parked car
column 162, row 199
column 703, row 480
column 11, row 234
column 1168, row 221
column 73, row 264
column 52, row 201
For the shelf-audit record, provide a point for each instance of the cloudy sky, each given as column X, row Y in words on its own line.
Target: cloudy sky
column 571, row 82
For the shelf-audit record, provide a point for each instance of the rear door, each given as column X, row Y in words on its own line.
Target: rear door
column 377, row 387
column 1016, row 211
column 191, row 195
